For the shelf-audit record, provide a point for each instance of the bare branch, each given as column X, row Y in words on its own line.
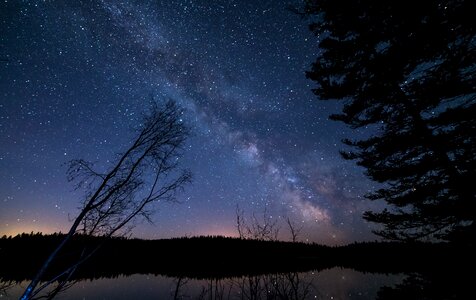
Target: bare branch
column 295, row 231
column 146, row 173
column 265, row 229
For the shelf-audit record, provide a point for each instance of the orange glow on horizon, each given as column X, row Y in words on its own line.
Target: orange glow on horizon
column 227, row 232
column 16, row 229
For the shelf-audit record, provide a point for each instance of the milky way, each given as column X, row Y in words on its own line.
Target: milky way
column 75, row 77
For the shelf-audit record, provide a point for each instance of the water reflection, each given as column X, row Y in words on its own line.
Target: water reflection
column 434, row 285
column 335, row 283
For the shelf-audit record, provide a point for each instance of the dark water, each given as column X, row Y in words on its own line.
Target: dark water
column 335, row 283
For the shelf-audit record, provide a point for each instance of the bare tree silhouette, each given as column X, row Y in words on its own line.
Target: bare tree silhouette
column 259, row 228
column 146, row 173
column 294, row 229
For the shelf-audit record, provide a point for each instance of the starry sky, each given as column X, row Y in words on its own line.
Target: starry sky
column 75, row 77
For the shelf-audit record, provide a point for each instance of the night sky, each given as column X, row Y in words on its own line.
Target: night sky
column 75, row 77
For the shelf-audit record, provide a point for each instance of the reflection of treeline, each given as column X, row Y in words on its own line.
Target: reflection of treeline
column 215, row 257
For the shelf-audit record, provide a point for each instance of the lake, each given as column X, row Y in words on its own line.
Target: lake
column 335, row 283
column 227, row 268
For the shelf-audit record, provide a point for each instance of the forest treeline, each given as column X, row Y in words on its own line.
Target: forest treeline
column 216, row 256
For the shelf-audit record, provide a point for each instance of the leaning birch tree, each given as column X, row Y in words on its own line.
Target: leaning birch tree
column 145, row 174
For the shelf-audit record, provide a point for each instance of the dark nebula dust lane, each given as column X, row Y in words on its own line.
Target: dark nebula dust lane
column 75, row 77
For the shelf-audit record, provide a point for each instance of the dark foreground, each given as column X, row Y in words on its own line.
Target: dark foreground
column 431, row 271
column 219, row 257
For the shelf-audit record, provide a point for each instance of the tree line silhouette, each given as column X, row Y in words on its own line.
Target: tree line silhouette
column 216, row 256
